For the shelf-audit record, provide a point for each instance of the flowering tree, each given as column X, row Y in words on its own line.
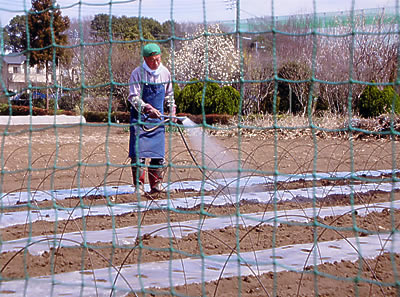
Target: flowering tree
column 207, row 52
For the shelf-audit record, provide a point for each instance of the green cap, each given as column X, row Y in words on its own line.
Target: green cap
column 151, row 49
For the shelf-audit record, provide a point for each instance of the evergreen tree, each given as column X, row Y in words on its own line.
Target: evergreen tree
column 374, row 102
column 46, row 33
column 124, row 28
column 14, row 34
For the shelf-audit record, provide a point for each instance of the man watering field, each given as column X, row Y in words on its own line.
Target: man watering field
column 150, row 88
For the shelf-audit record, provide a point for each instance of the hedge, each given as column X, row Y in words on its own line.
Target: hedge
column 102, row 117
column 17, row 110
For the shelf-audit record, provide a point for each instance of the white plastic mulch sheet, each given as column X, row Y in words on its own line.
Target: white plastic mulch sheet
column 128, row 235
column 59, row 214
column 14, row 198
column 162, row 274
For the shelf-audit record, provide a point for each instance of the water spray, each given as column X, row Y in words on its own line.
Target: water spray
column 180, row 120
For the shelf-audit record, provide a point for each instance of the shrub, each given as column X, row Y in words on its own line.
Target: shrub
column 217, row 100
column 102, row 117
column 24, row 110
column 225, row 101
column 70, row 101
column 185, row 101
column 209, row 98
column 4, row 109
column 17, row 110
column 374, row 102
column 121, row 117
column 95, row 116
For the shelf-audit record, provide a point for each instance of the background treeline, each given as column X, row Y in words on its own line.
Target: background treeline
column 296, row 69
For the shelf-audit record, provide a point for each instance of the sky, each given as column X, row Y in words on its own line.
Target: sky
column 192, row 10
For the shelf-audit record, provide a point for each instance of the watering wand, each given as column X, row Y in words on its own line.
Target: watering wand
column 167, row 118
column 179, row 120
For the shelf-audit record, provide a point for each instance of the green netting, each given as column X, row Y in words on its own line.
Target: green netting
column 281, row 174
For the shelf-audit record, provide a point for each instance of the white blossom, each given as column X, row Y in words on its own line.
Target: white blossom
column 207, row 53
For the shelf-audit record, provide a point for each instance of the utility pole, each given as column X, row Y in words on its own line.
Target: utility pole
column 230, row 5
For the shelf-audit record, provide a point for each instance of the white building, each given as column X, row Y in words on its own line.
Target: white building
column 16, row 77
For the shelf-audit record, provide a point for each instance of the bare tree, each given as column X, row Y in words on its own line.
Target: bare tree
column 367, row 55
column 260, row 84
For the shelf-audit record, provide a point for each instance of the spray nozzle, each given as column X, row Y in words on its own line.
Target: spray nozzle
column 179, row 120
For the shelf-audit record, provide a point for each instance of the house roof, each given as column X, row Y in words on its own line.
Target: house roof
column 14, row 59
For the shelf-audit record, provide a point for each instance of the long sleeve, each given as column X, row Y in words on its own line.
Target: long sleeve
column 140, row 76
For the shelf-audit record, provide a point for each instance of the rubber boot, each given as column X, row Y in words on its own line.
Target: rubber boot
column 156, row 176
column 138, row 183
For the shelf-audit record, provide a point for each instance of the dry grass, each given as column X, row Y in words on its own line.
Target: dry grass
column 326, row 125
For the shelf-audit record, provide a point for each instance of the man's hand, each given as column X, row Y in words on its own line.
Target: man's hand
column 153, row 113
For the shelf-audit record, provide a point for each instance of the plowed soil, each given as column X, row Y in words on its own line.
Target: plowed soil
column 94, row 155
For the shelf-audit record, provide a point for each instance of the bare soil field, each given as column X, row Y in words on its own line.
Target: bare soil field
column 45, row 159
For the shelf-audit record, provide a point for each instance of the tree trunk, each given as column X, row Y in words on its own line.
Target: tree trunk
column 47, row 83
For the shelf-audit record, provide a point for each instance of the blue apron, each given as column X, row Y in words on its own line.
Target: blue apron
column 144, row 144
